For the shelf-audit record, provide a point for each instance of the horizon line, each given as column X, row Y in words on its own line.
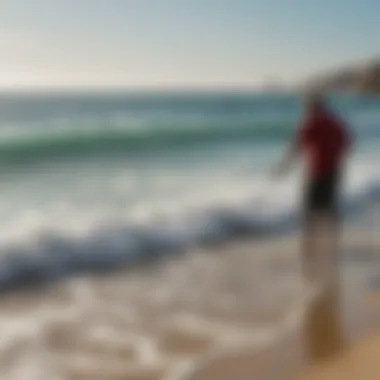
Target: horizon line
column 150, row 89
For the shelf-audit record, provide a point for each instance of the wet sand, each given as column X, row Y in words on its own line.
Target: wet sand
column 360, row 362
column 240, row 311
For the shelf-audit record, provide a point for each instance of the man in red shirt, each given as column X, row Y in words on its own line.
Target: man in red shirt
column 323, row 140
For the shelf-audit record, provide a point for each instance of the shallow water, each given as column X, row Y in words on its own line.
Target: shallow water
column 158, row 322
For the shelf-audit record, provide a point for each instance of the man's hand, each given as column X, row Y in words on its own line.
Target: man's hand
column 284, row 166
column 280, row 170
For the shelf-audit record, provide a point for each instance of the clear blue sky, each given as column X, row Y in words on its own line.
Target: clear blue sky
column 171, row 43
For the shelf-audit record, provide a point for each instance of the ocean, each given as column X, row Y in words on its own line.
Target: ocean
column 91, row 182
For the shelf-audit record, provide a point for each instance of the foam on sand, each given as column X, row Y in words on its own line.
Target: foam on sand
column 207, row 313
column 315, row 334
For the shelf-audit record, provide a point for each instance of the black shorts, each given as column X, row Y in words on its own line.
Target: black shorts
column 321, row 194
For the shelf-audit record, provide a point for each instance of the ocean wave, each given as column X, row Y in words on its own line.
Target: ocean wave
column 52, row 255
column 46, row 146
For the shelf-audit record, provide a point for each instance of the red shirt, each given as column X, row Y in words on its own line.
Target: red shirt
column 324, row 139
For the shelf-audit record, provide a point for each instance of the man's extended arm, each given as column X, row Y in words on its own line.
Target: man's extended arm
column 287, row 160
column 291, row 153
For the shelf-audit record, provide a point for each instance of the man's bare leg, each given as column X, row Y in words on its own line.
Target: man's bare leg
column 308, row 250
column 329, row 246
column 319, row 248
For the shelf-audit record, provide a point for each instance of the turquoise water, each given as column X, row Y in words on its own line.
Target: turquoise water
column 108, row 178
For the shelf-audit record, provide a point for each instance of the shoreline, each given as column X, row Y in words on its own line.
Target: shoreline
column 240, row 303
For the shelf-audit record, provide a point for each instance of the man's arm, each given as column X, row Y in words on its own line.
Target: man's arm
column 291, row 153
column 287, row 160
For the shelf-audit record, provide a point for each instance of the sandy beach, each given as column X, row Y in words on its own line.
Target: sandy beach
column 239, row 311
column 362, row 361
